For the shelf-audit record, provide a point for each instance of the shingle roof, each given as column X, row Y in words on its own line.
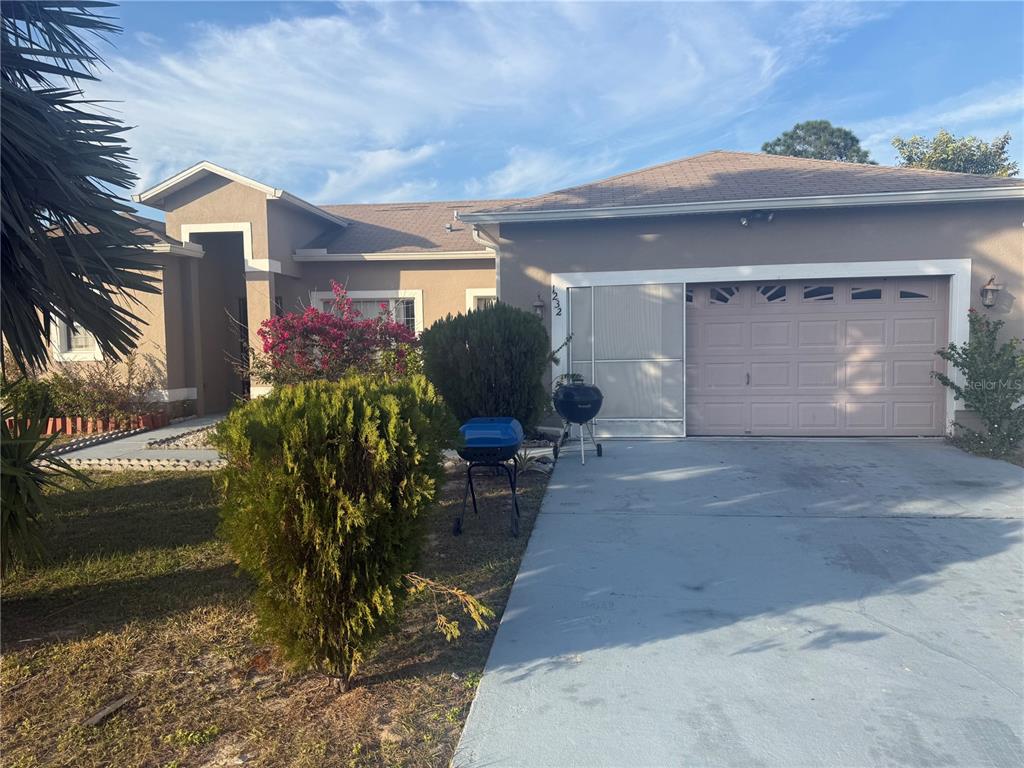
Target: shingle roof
column 723, row 176
column 403, row 227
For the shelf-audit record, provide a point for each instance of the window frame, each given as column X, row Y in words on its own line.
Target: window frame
column 735, row 298
column 317, row 299
column 61, row 350
column 473, row 294
column 762, row 298
column 832, row 297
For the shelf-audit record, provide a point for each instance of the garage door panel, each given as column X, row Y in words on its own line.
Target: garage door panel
column 771, row 416
column 858, row 362
column 860, row 332
column 867, row 415
column 719, row 336
column 816, row 415
column 770, row 375
column 725, row 376
column 818, row 333
column 817, row 374
column 768, row 335
column 865, row 374
column 914, row 373
column 911, row 331
column 913, row 415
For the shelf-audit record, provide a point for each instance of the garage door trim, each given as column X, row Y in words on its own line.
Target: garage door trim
column 958, row 271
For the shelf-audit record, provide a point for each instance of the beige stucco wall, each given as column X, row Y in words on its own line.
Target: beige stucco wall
column 990, row 234
column 290, row 229
column 443, row 283
column 215, row 200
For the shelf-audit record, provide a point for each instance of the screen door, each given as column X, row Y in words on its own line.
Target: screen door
column 628, row 340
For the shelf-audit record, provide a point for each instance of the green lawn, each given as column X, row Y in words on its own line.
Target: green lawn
column 140, row 599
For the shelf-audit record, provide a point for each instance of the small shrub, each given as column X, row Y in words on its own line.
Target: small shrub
column 490, row 362
column 24, row 473
column 993, row 386
column 321, row 502
column 317, row 345
column 106, row 389
column 27, row 395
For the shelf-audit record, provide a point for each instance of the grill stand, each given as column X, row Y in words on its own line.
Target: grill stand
column 513, row 480
column 588, row 425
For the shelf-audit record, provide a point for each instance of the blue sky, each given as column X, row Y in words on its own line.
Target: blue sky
column 357, row 102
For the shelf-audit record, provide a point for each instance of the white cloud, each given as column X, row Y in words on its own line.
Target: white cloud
column 986, row 112
column 530, row 170
column 396, row 99
column 369, row 175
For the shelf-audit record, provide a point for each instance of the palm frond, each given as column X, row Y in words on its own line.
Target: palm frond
column 69, row 251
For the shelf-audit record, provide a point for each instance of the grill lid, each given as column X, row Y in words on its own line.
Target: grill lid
column 492, row 432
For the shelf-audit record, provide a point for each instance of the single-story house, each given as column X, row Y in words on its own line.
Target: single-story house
column 728, row 293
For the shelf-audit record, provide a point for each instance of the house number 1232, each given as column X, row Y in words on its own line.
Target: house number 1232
column 555, row 303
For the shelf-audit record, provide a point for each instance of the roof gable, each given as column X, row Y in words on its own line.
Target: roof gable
column 156, row 195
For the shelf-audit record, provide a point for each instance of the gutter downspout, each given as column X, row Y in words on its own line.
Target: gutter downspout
column 480, row 236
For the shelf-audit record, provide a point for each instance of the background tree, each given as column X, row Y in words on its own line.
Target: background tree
column 821, row 140
column 967, row 154
column 69, row 250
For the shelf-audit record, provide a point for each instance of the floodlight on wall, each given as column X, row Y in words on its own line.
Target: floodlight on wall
column 990, row 292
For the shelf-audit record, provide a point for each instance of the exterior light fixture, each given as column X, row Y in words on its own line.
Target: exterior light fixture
column 744, row 222
column 538, row 307
column 990, row 292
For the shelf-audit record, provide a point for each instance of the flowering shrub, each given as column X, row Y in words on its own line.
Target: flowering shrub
column 315, row 345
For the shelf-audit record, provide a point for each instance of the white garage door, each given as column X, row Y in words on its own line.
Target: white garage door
column 840, row 357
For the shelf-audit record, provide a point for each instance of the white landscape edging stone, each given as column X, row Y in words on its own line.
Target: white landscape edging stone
column 161, row 465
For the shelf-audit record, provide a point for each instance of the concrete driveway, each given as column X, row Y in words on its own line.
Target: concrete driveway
column 763, row 603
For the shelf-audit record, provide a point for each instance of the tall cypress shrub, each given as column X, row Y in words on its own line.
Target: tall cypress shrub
column 321, row 502
column 490, row 362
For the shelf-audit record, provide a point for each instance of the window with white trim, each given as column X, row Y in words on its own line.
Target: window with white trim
column 74, row 343
column 484, row 302
column 402, row 310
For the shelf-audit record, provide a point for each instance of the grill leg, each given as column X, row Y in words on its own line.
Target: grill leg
column 513, row 477
column 472, row 490
column 583, row 453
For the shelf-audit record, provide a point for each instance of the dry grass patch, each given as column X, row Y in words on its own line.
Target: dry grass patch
column 140, row 600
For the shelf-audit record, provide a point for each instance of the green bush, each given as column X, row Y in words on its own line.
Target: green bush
column 321, row 502
column 27, row 395
column 993, row 386
column 490, row 362
column 24, row 473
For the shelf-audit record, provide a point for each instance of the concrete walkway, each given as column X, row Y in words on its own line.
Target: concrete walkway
column 763, row 603
column 134, row 446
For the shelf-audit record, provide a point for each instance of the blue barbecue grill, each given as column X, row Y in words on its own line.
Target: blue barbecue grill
column 490, row 442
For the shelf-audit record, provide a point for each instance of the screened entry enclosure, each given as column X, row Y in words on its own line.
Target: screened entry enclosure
column 628, row 340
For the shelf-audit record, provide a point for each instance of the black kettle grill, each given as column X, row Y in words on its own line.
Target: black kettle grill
column 578, row 403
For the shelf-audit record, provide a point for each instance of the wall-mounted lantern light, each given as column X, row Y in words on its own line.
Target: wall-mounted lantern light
column 538, row 307
column 990, row 292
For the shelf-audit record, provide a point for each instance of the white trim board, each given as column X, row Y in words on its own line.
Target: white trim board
column 174, row 395
column 321, row 254
column 472, row 294
column 979, row 194
column 316, row 297
column 958, row 271
column 245, row 227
